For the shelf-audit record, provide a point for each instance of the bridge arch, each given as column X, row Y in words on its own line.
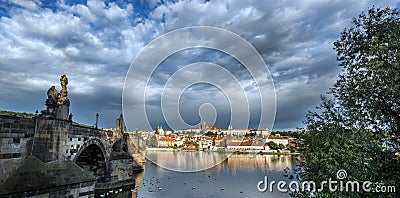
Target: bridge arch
column 93, row 157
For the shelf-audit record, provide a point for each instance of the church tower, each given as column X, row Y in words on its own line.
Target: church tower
column 203, row 124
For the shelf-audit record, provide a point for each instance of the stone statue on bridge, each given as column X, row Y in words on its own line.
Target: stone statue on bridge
column 118, row 123
column 52, row 95
column 119, row 137
column 58, row 103
column 64, row 93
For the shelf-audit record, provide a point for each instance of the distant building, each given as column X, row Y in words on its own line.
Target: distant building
column 260, row 132
column 297, row 143
column 277, row 139
column 235, row 132
column 191, row 131
column 168, row 142
column 163, row 132
column 203, row 125
column 248, row 145
column 214, row 129
column 160, row 130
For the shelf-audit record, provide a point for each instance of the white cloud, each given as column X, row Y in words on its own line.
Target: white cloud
column 60, row 42
column 28, row 4
column 95, row 43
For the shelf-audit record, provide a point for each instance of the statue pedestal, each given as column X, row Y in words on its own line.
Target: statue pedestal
column 62, row 112
column 51, row 108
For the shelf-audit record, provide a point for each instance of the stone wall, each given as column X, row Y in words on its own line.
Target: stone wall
column 139, row 156
column 60, row 178
column 121, row 169
column 15, row 143
column 122, row 172
column 52, row 140
column 75, row 190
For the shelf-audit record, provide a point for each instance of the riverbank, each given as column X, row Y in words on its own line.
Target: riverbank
column 265, row 153
column 253, row 152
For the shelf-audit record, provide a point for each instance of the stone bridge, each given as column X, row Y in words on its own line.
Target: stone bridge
column 51, row 146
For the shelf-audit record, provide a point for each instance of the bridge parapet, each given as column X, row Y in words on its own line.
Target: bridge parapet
column 16, row 137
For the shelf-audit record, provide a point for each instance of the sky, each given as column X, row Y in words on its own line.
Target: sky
column 95, row 42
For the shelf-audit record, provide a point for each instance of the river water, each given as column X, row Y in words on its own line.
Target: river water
column 235, row 177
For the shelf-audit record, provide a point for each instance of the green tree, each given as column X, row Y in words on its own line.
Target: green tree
column 333, row 143
column 251, row 135
column 351, row 130
column 152, row 142
column 369, row 53
column 272, row 145
column 291, row 148
column 210, row 134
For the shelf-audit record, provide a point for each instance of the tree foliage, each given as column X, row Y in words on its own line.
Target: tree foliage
column 369, row 53
column 18, row 114
column 351, row 130
column 152, row 142
column 210, row 134
column 273, row 145
column 332, row 142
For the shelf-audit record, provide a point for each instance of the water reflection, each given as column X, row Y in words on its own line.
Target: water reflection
column 236, row 177
column 183, row 161
column 260, row 162
column 118, row 192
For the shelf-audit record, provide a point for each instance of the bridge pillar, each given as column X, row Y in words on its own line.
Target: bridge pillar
column 49, row 139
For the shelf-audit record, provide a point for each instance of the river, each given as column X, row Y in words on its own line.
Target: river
column 237, row 176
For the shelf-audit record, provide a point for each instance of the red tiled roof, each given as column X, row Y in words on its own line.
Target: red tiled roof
column 276, row 137
column 166, row 139
column 231, row 138
column 248, row 143
column 234, row 144
column 208, row 138
column 219, row 138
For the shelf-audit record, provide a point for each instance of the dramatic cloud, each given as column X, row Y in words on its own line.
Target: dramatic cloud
column 94, row 42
